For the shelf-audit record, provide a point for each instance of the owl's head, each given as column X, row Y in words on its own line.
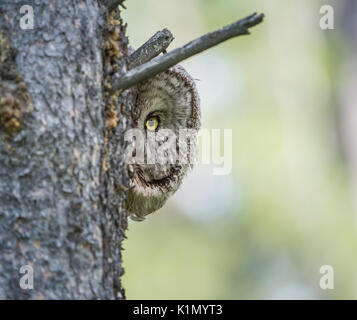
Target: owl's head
column 167, row 112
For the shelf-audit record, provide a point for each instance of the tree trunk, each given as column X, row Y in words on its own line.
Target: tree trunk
column 62, row 176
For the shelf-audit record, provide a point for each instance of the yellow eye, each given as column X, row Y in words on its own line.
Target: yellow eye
column 152, row 123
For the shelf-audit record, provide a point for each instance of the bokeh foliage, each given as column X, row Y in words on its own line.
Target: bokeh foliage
column 286, row 209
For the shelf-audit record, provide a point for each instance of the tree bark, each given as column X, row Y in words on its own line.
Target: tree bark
column 62, row 177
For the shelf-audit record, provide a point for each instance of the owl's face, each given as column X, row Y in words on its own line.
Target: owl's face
column 165, row 104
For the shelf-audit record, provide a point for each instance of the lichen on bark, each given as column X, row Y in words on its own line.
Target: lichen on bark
column 15, row 100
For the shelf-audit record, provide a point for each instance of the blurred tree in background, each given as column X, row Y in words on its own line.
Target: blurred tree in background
column 289, row 205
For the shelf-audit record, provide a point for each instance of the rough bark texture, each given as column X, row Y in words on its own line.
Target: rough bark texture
column 62, row 177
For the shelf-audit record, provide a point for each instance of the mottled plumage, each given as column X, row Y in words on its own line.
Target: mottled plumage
column 172, row 98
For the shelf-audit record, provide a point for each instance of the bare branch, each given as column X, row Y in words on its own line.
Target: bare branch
column 150, row 49
column 162, row 63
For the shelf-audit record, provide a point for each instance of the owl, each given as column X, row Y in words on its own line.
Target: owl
column 167, row 112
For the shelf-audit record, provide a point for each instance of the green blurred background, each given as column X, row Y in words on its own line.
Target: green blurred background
column 288, row 91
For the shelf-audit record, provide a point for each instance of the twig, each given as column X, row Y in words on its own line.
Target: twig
column 151, row 48
column 163, row 62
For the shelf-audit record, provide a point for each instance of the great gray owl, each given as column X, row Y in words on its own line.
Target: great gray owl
column 166, row 105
